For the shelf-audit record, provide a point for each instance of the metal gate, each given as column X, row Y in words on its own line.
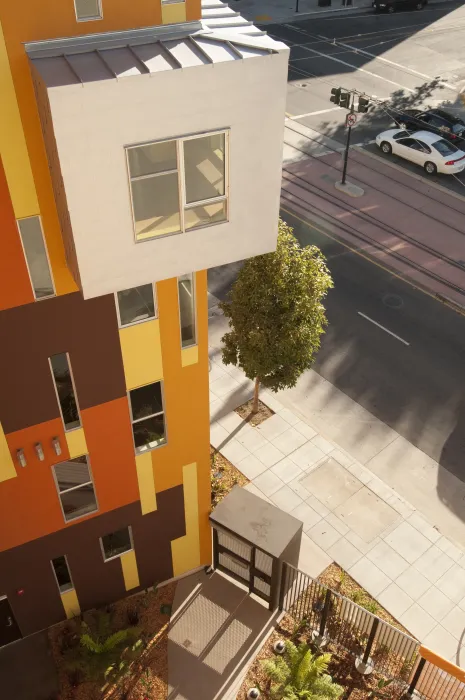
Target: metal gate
column 244, row 562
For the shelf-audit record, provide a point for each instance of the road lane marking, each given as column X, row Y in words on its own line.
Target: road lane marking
column 396, row 65
column 383, row 328
column 357, row 68
column 312, row 114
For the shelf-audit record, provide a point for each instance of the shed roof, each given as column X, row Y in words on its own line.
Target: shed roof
column 256, row 521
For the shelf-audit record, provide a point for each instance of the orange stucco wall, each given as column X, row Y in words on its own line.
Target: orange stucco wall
column 15, row 287
column 35, row 20
column 187, row 410
column 29, row 504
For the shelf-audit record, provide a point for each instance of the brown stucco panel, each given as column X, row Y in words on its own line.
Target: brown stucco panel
column 86, row 329
column 27, row 568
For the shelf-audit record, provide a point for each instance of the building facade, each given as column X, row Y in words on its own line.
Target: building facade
column 140, row 145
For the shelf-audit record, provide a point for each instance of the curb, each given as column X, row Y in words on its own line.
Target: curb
column 375, row 156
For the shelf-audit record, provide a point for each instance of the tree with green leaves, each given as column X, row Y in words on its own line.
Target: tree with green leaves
column 301, row 675
column 276, row 315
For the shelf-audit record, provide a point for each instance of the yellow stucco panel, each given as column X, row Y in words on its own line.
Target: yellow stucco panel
column 146, row 481
column 186, row 550
column 141, row 349
column 13, row 144
column 190, row 356
column 130, row 572
column 70, row 603
column 77, row 445
column 173, row 12
column 7, row 467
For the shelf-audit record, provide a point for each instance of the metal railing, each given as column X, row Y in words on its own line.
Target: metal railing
column 374, row 643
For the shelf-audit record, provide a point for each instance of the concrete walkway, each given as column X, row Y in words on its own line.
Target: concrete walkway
column 350, row 515
column 216, row 629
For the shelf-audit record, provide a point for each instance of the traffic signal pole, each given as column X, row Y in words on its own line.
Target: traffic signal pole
column 346, row 153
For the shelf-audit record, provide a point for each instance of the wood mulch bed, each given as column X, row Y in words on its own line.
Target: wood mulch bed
column 224, row 476
column 245, row 412
column 338, row 580
column 148, row 677
column 342, row 668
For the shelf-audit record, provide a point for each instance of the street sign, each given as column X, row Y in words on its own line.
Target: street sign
column 351, row 120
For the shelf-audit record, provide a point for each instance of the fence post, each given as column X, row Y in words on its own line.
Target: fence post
column 416, row 676
column 324, row 615
column 216, row 554
column 362, row 663
column 282, row 586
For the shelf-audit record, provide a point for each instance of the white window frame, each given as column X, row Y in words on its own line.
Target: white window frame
column 67, row 430
column 88, row 19
column 49, row 296
column 180, row 170
column 144, row 320
column 71, row 585
column 117, row 556
column 142, row 450
column 74, row 488
column 194, row 292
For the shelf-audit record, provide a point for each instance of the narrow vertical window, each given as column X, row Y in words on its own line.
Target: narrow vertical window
column 61, row 570
column 30, row 231
column 205, row 187
column 186, row 294
column 87, row 10
column 147, row 416
column 61, row 372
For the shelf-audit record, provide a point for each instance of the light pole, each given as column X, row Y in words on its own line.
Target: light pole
column 350, row 119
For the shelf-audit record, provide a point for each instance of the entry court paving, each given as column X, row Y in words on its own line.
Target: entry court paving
column 349, row 515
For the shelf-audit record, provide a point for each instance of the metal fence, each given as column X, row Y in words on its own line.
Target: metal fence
column 350, row 629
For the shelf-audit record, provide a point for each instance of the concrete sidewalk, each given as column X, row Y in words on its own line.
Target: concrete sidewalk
column 350, row 515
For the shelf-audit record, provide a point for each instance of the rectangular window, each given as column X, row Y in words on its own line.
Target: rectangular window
column 62, row 575
column 147, row 417
column 65, row 390
column 186, row 294
column 178, row 185
column 87, row 10
column 30, row 231
column 136, row 305
column 75, row 487
column 116, row 543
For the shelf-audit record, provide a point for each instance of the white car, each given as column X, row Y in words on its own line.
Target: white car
column 429, row 150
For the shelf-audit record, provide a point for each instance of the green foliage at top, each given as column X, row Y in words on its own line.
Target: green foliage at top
column 301, row 675
column 103, row 653
column 275, row 312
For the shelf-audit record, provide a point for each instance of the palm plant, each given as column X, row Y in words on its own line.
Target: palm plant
column 301, row 675
column 103, row 654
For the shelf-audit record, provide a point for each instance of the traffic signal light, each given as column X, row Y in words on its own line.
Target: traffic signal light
column 345, row 100
column 363, row 104
column 335, row 95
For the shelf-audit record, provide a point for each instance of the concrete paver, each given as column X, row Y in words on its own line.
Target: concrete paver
column 351, row 516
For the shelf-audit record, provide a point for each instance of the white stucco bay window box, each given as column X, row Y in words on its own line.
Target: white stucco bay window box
column 165, row 147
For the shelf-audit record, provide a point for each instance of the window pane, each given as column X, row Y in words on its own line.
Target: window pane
column 116, row 543
column 72, row 473
column 187, row 310
column 205, row 214
column 146, row 400
column 136, row 304
column 62, row 573
column 87, row 9
column 149, row 432
column 79, row 502
column 156, row 206
column 204, row 167
column 154, row 158
column 36, row 256
column 65, row 390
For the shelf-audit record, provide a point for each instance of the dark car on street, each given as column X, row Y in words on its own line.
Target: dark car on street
column 394, row 5
column 435, row 120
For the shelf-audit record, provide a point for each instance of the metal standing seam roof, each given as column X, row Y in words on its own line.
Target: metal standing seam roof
column 222, row 35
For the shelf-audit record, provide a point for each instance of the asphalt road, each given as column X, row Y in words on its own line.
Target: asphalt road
column 408, row 371
column 409, row 59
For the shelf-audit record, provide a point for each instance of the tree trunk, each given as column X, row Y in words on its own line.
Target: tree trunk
column 255, row 395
